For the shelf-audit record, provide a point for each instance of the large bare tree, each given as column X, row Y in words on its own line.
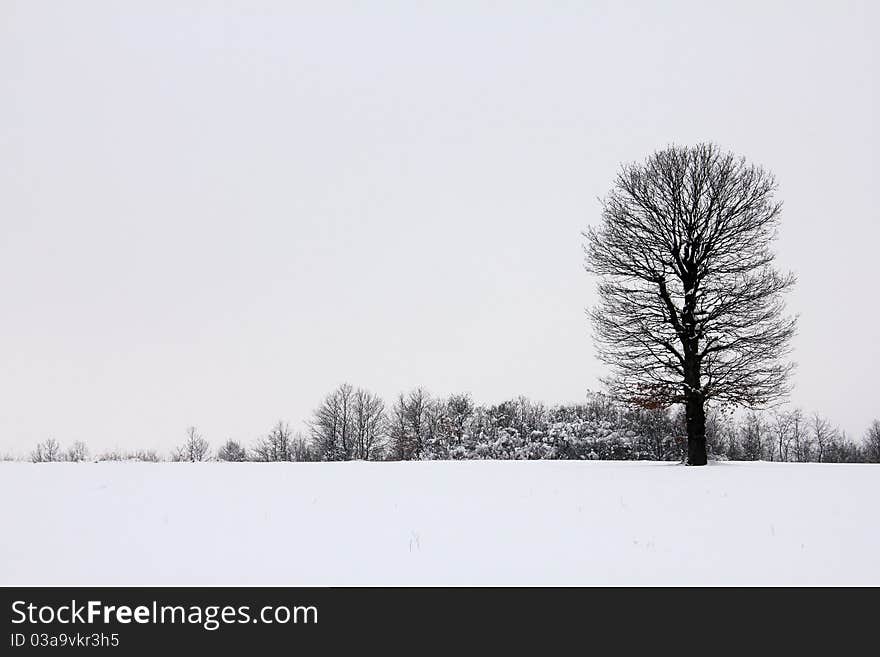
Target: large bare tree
column 691, row 306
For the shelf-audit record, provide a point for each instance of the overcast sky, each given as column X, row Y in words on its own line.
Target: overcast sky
column 212, row 216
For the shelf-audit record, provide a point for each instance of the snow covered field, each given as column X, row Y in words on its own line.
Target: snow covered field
column 488, row 522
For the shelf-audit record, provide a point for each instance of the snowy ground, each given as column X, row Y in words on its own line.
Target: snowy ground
column 538, row 522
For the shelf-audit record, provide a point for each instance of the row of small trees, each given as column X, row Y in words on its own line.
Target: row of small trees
column 791, row 435
column 50, row 451
column 354, row 424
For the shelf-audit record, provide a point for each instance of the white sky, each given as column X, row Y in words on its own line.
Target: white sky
column 213, row 216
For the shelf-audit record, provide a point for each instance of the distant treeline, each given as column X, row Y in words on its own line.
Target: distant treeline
column 355, row 424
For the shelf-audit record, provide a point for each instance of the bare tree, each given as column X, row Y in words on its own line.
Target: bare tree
column 77, row 452
column 369, row 425
column 803, row 447
column 691, row 307
column 301, row 449
column 195, row 448
column 872, row 442
column 782, row 426
column 47, row 451
column 349, row 423
column 410, row 424
column 332, row 425
column 823, row 435
column 843, row 450
column 276, row 446
column 232, row 451
column 401, row 444
column 753, row 437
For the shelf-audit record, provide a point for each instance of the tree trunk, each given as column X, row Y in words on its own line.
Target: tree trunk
column 696, row 429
